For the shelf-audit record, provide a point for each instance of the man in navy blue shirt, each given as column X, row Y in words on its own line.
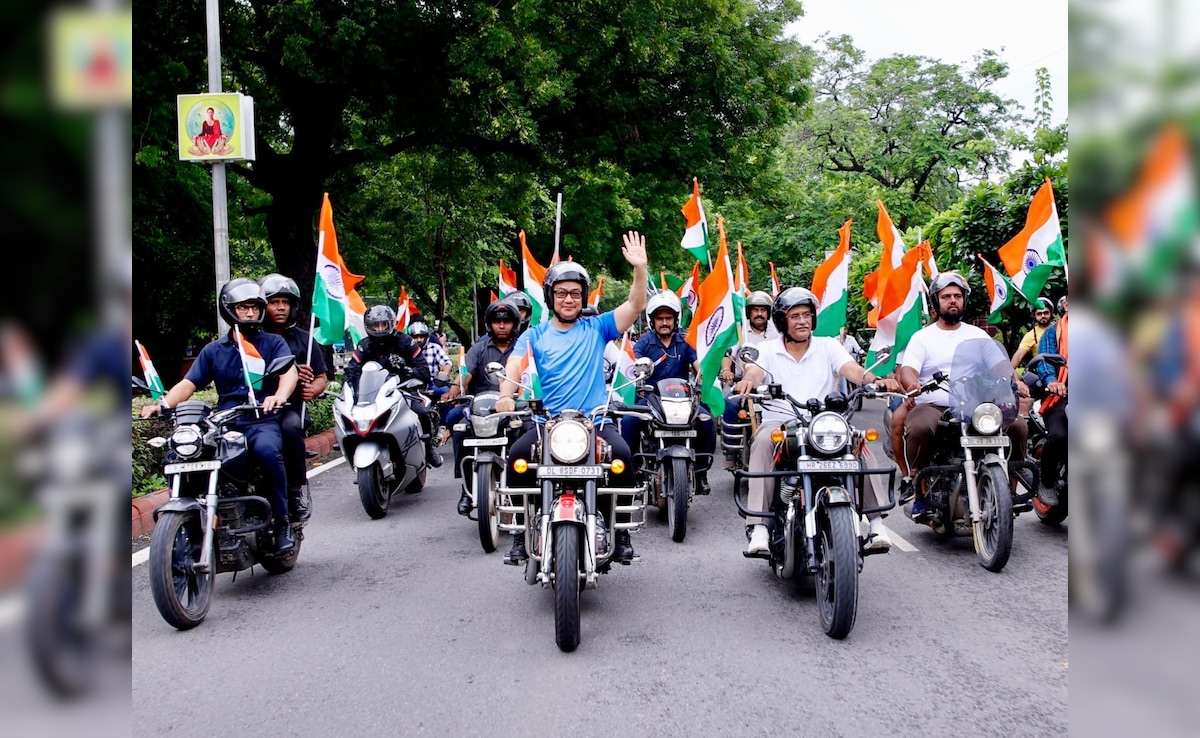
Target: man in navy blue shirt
column 241, row 305
column 675, row 358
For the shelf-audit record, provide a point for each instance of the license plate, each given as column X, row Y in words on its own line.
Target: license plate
column 675, row 433
column 191, row 466
column 989, row 441
column 558, row 472
column 485, row 441
column 831, row 465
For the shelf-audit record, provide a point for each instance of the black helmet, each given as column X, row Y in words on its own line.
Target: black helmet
column 418, row 328
column 235, row 292
column 941, row 282
column 790, row 298
column 277, row 285
column 380, row 321
column 520, row 301
column 565, row 271
column 501, row 310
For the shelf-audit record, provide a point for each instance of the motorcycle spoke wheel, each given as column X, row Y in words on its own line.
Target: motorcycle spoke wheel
column 373, row 492
column 678, row 488
column 837, row 572
column 994, row 533
column 62, row 649
column 566, row 587
column 486, row 508
column 182, row 594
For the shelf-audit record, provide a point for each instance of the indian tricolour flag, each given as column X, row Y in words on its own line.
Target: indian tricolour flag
column 1032, row 255
column 594, row 297
column 532, row 274
column 899, row 310
column 462, row 369
column 1000, row 293
column 775, row 288
column 153, row 381
column 623, row 384
column 689, row 295
column 356, row 311
column 713, row 330
column 1159, row 218
column 889, row 259
column 695, row 234
column 508, row 280
column 254, row 368
column 330, row 307
column 532, row 384
column 831, row 285
column 403, row 310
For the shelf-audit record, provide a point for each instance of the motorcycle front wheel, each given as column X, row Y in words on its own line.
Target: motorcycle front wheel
column 566, row 587
column 373, row 491
column 837, row 571
column 485, row 507
column 62, row 648
column 994, row 534
column 677, row 499
column 181, row 594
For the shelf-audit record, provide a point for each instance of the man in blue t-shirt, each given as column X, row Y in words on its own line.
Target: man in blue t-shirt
column 569, row 353
column 242, row 306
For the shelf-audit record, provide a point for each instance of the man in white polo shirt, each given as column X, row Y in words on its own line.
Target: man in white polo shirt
column 805, row 366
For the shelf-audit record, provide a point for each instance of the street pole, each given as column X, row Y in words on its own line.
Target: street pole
column 220, row 213
column 110, row 183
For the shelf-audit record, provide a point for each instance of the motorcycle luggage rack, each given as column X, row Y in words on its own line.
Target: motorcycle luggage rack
column 860, row 479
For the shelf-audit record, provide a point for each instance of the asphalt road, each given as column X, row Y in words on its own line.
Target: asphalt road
column 403, row 626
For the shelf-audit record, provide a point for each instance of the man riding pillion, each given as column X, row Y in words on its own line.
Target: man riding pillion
column 569, row 353
column 397, row 353
column 500, row 320
column 241, row 305
column 521, row 302
column 760, row 328
column 1054, row 406
column 1043, row 315
column 931, row 350
column 283, row 303
column 805, row 366
column 436, row 358
column 673, row 357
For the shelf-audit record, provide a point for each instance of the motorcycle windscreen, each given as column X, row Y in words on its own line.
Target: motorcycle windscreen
column 673, row 389
column 369, row 384
column 981, row 372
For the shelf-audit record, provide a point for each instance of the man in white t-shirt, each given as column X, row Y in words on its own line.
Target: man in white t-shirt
column 931, row 350
column 805, row 366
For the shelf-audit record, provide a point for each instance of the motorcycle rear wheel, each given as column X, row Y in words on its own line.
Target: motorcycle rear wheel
column 837, row 571
column 485, row 507
column 566, row 587
column 677, row 499
column 994, row 534
column 181, row 594
column 373, row 491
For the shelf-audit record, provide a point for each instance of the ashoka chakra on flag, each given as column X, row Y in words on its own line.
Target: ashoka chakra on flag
column 714, row 325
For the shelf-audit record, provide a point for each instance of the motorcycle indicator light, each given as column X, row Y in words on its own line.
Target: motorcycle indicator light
column 618, row 466
column 233, row 436
column 742, row 415
column 872, row 435
column 157, row 442
column 777, row 435
column 520, row 466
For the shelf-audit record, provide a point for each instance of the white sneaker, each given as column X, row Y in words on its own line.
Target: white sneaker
column 758, row 540
column 879, row 538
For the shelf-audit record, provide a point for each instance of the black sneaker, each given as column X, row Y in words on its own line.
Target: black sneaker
column 907, row 491
column 435, row 459
column 284, row 540
column 623, row 553
column 464, row 504
column 702, row 486
column 516, row 555
column 297, row 509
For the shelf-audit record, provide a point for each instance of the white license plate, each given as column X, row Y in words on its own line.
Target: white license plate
column 485, row 441
column 831, row 465
column 675, row 433
column 191, row 466
column 989, row 441
column 555, row 472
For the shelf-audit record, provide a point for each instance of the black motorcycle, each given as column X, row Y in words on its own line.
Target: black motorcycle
column 484, row 462
column 668, row 458
column 1052, row 511
column 213, row 522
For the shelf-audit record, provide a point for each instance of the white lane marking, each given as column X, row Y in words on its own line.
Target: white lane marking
column 899, row 542
column 143, row 556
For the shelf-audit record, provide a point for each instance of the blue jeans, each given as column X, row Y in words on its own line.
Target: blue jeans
column 456, row 414
column 264, row 443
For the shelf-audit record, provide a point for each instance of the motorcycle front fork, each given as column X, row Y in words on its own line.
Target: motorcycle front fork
column 972, row 487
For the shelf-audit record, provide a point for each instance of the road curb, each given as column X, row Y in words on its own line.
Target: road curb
column 142, row 521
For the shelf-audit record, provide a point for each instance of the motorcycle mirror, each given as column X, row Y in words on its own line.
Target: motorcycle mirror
column 939, row 377
column 813, row 406
column 642, row 367
column 280, row 365
column 140, row 384
column 836, row 401
column 494, row 371
column 1058, row 361
column 748, row 354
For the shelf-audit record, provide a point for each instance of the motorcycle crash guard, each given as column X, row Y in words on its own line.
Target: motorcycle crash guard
column 567, row 509
column 368, row 452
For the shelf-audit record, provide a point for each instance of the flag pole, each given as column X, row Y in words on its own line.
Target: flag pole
column 312, row 321
column 245, row 369
column 557, row 227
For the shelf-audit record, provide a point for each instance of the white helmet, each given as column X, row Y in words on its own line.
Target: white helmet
column 665, row 299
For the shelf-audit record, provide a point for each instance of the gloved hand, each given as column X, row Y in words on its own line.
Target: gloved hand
column 397, row 364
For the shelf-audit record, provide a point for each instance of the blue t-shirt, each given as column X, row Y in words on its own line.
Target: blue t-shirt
column 570, row 363
column 670, row 362
column 220, row 362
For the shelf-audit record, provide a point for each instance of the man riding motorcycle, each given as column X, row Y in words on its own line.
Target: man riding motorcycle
column 398, row 353
column 758, row 315
column 931, row 350
column 1054, row 406
column 500, row 320
column 805, row 366
column 673, row 357
column 569, row 353
column 241, row 305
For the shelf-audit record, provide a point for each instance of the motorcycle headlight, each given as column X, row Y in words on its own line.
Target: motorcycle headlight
column 568, row 442
column 829, row 433
column 485, row 426
column 185, row 441
column 676, row 412
column 987, row 419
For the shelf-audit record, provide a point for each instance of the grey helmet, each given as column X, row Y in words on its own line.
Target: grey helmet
column 275, row 285
column 236, row 292
column 1062, row 305
column 565, row 271
column 418, row 328
column 791, row 298
column 941, row 282
column 758, row 298
column 380, row 321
